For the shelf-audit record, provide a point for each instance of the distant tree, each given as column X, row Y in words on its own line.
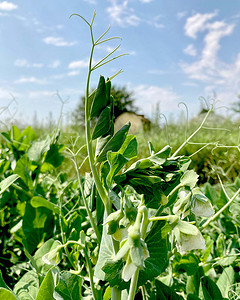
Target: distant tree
column 123, row 102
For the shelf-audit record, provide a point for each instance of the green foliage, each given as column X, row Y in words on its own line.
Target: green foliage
column 132, row 227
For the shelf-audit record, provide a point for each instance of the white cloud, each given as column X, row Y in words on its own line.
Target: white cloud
column 208, row 66
column 78, row 64
column 181, row 14
column 31, row 79
column 190, row 50
column 197, row 23
column 155, row 22
column 73, row 73
column 148, row 96
column 222, row 77
column 21, row 63
column 91, row 1
column 24, row 63
column 58, row 41
column 146, row 1
column 37, row 65
column 7, row 6
column 121, row 14
column 55, row 64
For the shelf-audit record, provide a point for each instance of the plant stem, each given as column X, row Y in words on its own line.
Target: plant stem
column 17, row 187
column 95, row 174
column 133, row 285
column 116, row 294
column 90, row 272
column 93, row 223
column 192, row 135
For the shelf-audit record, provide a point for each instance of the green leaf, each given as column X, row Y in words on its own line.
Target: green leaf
column 192, row 297
column 48, row 246
column 225, row 281
column 2, row 282
column 22, row 170
column 187, row 263
column 165, row 292
column 53, row 158
column 69, row 286
column 46, row 289
column 103, row 124
column 106, row 253
column 157, row 246
column 37, row 226
column 116, row 161
column 189, row 178
column 114, row 143
column 6, row 294
column 129, row 147
column 209, row 289
column 113, row 271
column 193, row 283
column 27, row 287
column 108, row 293
column 7, row 182
column 100, row 100
column 41, row 202
column 38, row 148
column 161, row 156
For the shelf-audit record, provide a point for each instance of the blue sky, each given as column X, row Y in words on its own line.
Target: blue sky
column 178, row 51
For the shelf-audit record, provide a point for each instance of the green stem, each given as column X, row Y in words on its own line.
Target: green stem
column 17, row 187
column 116, row 294
column 90, row 271
column 222, row 209
column 192, row 135
column 95, row 174
column 93, row 223
column 133, row 285
column 63, row 235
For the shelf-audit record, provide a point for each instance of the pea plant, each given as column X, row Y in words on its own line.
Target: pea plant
column 129, row 229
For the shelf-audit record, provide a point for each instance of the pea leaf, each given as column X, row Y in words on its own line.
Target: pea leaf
column 116, row 161
column 209, row 289
column 7, row 182
column 114, row 143
column 189, row 178
column 157, row 246
column 129, row 147
column 37, row 226
column 7, row 295
column 165, row 292
column 161, row 156
column 99, row 100
column 187, row 263
column 113, row 271
column 103, row 124
column 106, row 253
column 225, row 280
column 69, row 286
column 27, row 287
column 38, row 148
column 22, row 170
column 48, row 246
column 46, row 289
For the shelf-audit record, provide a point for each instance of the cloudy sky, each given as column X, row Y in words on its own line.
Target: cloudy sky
column 178, row 51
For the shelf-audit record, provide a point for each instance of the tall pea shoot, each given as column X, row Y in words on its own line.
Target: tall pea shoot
column 133, row 249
